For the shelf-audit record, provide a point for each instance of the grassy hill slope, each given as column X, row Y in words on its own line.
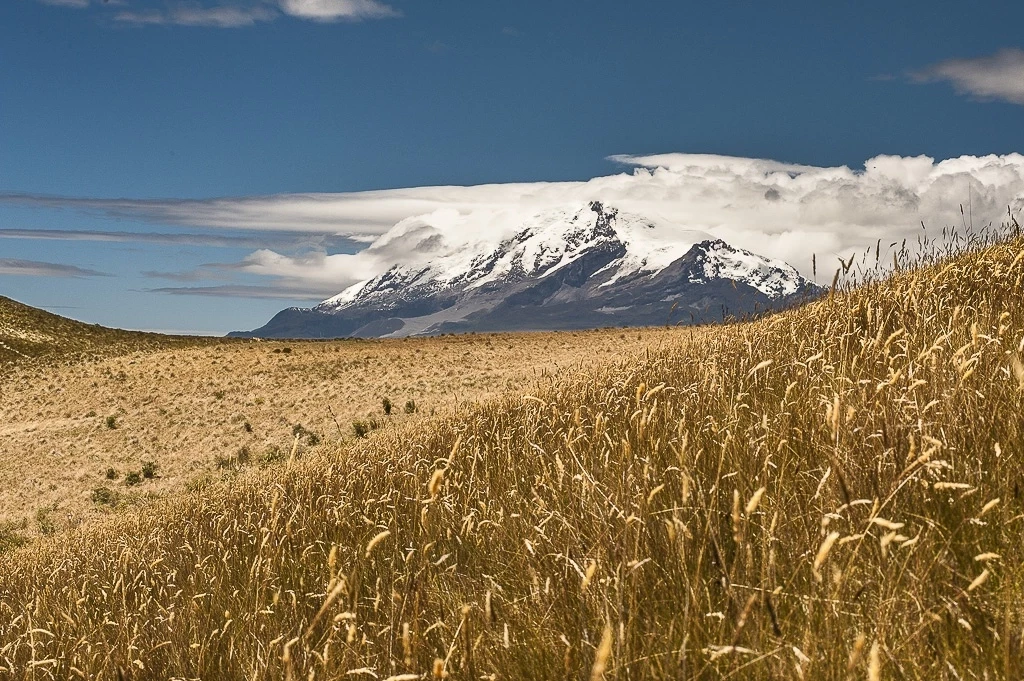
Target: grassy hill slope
column 75, row 426
column 829, row 493
column 29, row 333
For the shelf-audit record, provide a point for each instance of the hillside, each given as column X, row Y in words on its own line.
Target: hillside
column 200, row 411
column 30, row 333
column 829, row 493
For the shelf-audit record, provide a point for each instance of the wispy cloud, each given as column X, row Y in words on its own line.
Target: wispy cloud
column 237, row 13
column 193, row 14
column 278, row 240
column 33, row 268
column 996, row 77
column 66, row 3
column 274, row 292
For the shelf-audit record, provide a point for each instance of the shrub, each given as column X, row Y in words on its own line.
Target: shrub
column 111, row 422
column 44, row 519
column 247, row 427
column 105, row 496
column 312, row 439
column 111, row 473
column 243, row 456
column 10, row 537
column 149, row 470
column 132, row 478
column 387, row 406
column 270, row 455
column 410, row 407
column 360, row 427
column 219, row 394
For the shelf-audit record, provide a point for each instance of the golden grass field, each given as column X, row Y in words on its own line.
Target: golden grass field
column 189, row 406
column 833, row 492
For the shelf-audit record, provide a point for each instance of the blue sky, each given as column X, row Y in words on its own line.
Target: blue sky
column 171, row 101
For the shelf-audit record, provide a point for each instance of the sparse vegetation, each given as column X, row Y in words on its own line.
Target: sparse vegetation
column 159, row 417
column 105, row 496
column 111, row 422
column 45, row 521
column 132, row 478
column 11, row 537
column 361, row 427
column 386, row 404
column 410, row 407
column 828, row 493
column 270, row 456
column 111, row 473
column 149, row 470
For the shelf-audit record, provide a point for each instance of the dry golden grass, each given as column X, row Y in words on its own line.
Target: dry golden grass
column 830, row 493
column 186, row 409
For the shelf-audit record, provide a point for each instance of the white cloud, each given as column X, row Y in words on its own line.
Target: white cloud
column 335, row 10
column 66, row 3
column 1000, row 76
column 239, row 13
column 192, row 14
column 34, row 268
column 781, row 210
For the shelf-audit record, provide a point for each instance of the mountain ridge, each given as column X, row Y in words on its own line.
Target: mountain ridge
column 569, row 269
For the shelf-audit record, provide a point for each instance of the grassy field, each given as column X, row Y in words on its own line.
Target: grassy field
column 829, row 493
column 74, row 429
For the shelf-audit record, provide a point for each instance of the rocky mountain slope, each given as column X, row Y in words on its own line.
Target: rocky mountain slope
column 570, row 269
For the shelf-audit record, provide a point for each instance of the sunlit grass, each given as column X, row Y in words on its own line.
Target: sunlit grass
column 828, row 493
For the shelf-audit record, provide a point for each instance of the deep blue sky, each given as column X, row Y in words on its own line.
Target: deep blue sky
column 445, row 93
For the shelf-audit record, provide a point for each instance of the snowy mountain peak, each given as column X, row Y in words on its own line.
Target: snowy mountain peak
column 579, row 267
column 543, row 245
column 774, row 278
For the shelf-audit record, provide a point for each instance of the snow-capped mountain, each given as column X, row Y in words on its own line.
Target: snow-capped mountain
column 568, row 269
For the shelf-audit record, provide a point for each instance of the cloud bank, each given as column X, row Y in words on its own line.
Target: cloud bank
column 780, row 210
column 996, row 77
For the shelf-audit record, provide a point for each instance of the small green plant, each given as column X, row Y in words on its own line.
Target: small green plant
column 219, row 394
column 247, row 427
column 243, row 456
column 410, row 407
column 111, row 422
column 361, row 428
column 271, row 455
column 111, row 473
column 133, row 478
column 312, row 439
column 149, row 470
column 44, row 518
column 387, row 406
column 105, row 496
column 91, row 414
column 11, row 537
